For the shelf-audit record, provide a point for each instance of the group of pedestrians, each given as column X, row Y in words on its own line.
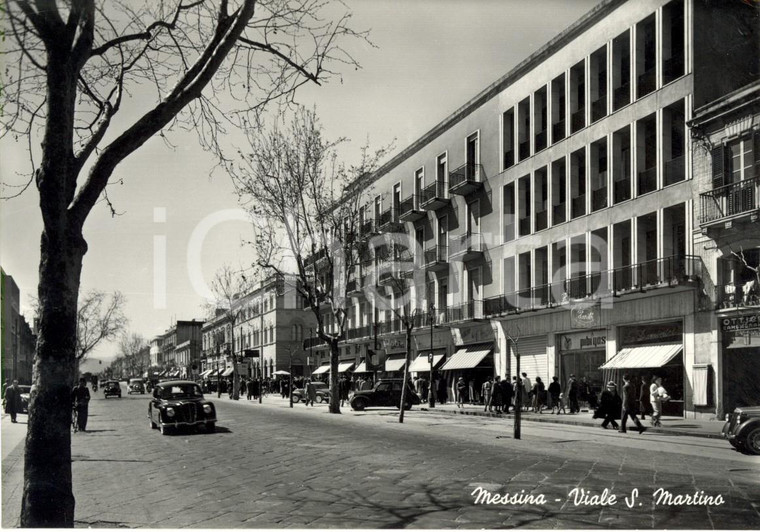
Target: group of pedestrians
column 647, row 400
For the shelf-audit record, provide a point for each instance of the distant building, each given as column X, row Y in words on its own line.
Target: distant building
column 18, row 339
column 178, row 350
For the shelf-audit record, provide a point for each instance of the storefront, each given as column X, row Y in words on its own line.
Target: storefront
column 472, row 358
column 647, row 351
column 741, row 360
column 582, row 354
column 534, row 360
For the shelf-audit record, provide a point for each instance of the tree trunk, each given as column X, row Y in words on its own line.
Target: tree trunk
column 48, row 499
column 334, row 378
column 406, row 374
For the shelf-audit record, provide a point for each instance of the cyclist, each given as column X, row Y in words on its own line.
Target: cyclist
column 80, row 398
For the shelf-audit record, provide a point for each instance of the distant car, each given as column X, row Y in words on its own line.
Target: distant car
column 742, row 429
column 387, row 392
column 112, row 388
column 25, row 391
column 178, row 404
column 136, row 386
column 323, row 393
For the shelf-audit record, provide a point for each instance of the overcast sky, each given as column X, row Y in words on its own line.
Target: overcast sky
column 431, row 57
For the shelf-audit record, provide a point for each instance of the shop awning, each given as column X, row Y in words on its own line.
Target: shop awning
column 206, row 373
column 421, row 363
column 227, row 372
column 321, row 369
column 362, row 368
column 644, row 356
column 345, row 366
column 395, row 364
column 467, row 357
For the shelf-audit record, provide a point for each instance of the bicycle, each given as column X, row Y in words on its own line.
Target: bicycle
column 75, row 419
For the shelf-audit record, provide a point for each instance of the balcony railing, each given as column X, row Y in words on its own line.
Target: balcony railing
column 540, row 141
column 674, row 170
column 622, row 96
column 466, row 179
column 315, row 258
column 647, row 180
column 367, row 228
column 599, row 108
column 646, row 83
column 509, row 158
column 436, row 257
column 389, row 222
column 388, row 327
column 468, row 244
column 730, row 200
column 598, row 199
column 559, row 213
column 363, row 331
column 410, row 210
column 578, row 120
column 672, row 68
column 524, row 150
column 670, row 271
column 558, row 131
column 578, row 206
column 472, row 310
column 434, row 196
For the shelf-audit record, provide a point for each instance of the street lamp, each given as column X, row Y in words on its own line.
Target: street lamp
column 431, row 395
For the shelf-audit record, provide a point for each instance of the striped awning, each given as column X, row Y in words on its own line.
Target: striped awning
column 467, row 357
column 206, row 373
column 421, row 363
column 321, row 369
column 644, row 356
column 345, row 366
column 395, row 364
column 227, row 372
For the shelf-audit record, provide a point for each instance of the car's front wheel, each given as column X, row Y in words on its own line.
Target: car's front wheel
column 320, row 399
column 359, row 404
column 296, row 399
column 752, row 441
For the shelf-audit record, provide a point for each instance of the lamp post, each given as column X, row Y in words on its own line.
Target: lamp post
column 431, row 395
column 518, row 393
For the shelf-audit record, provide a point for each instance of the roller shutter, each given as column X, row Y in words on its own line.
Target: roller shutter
column 533, row 358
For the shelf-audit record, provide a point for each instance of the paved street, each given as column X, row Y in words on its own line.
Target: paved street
column 272, row 467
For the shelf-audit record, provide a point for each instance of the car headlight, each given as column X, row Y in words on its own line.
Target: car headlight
column 728, row 417
column 207, row 409
column 170, row 412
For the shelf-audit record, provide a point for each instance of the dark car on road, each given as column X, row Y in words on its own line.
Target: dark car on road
column 111, row 388
column 177, row 404
column 24, row 390
column 136, row 386
column 323, row 393
column 387, row 392
column 742, row 429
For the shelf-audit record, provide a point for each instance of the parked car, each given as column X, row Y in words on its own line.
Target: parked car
column 742, row 429
column 25, row 391
column 111, row 388
column 387, row 392
column 323, row 393
column 178, row 404
column 136, row 386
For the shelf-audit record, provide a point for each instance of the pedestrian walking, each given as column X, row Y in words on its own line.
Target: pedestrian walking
column 343, row 387
column 539, row 396
column 12, row 399
column 80, row 399
column 629, row 405
column 527, row 389
column 497, row 395
column 507, row 393
column 461, row 392
column 555, row 390
column 311, row 393
column 572, row 395
column 657, row 395
column 645, row 404
column 485, row 391
column 425, row 388
column 610, row 406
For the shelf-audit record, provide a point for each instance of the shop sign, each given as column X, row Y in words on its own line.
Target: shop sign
column 583, row 341
column 649, row 334
column 585, row 316
column 740, row 323
column 394, row 343
column 441, row 339
column 473, row 335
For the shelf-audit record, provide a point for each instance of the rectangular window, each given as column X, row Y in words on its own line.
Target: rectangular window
column 508, row 138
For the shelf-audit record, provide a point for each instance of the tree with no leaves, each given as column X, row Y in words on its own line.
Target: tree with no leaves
column 201, row 65
column 294, row 187
column 132, row 349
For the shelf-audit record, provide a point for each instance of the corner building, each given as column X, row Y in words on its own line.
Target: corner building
column 557, row 209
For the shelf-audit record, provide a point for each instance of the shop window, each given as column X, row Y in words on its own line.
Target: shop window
column 702, row 380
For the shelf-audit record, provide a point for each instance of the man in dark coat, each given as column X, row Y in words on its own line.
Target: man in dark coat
column 609, row 406
column 80, row 399
column 572, row 395
column 442, row 392
column 12, row 398
column 645, row 403
column 507, row 393
column 629, row 405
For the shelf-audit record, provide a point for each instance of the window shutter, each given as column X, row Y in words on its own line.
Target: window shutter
column 718, row 167
column 756, row 151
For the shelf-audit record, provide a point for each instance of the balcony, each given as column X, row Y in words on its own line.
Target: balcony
column 578, row 120
column 355, row 333
column 354, row 287
column 621, row 190
column 578, row 206
column 367, row 229
column 742, row 295
column 389, row 222
column 558, row 131
column 598, row 199
column 436, row 258
column 434, row 196
column 389, row 327
column 469, row 246
column 524, row 226
column 466, row 179
column 672, row 68
column 540, row 140
column 622, row 96
column 312, row 341
column 599, row 109
column 730, row 202
column 647, row 181
column 559, row 213
column 524, row 150
column 472, row 310
column 316, row 258
column 410, row 210
column 674, row 170
column 509, row 158
column 646, row 83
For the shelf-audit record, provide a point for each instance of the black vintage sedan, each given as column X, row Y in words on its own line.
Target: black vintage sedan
column 387, row 392
column 742, row 429
column 112, row 388
column 177, row 404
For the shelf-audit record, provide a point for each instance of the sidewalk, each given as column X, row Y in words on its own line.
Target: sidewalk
column 671, row 425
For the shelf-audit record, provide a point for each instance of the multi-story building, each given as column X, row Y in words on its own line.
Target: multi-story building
column 553, row 213
column 268, row 331
column 178, row 350
column 17, row 338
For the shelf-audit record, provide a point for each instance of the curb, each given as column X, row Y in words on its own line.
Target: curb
column 658, row 430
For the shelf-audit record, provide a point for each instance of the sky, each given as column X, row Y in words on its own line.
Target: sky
column 429, row 58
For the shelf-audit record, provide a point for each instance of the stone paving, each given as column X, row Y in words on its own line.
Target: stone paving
column 272, row 467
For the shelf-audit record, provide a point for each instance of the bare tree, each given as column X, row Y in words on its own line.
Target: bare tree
column 231, row 289
column 99, row 318
column 201, row 65
column 132, row 348
column 294, row 187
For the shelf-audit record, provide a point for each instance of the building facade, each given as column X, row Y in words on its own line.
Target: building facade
column 554, row 213
column 177, row 352
column 17, row 338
